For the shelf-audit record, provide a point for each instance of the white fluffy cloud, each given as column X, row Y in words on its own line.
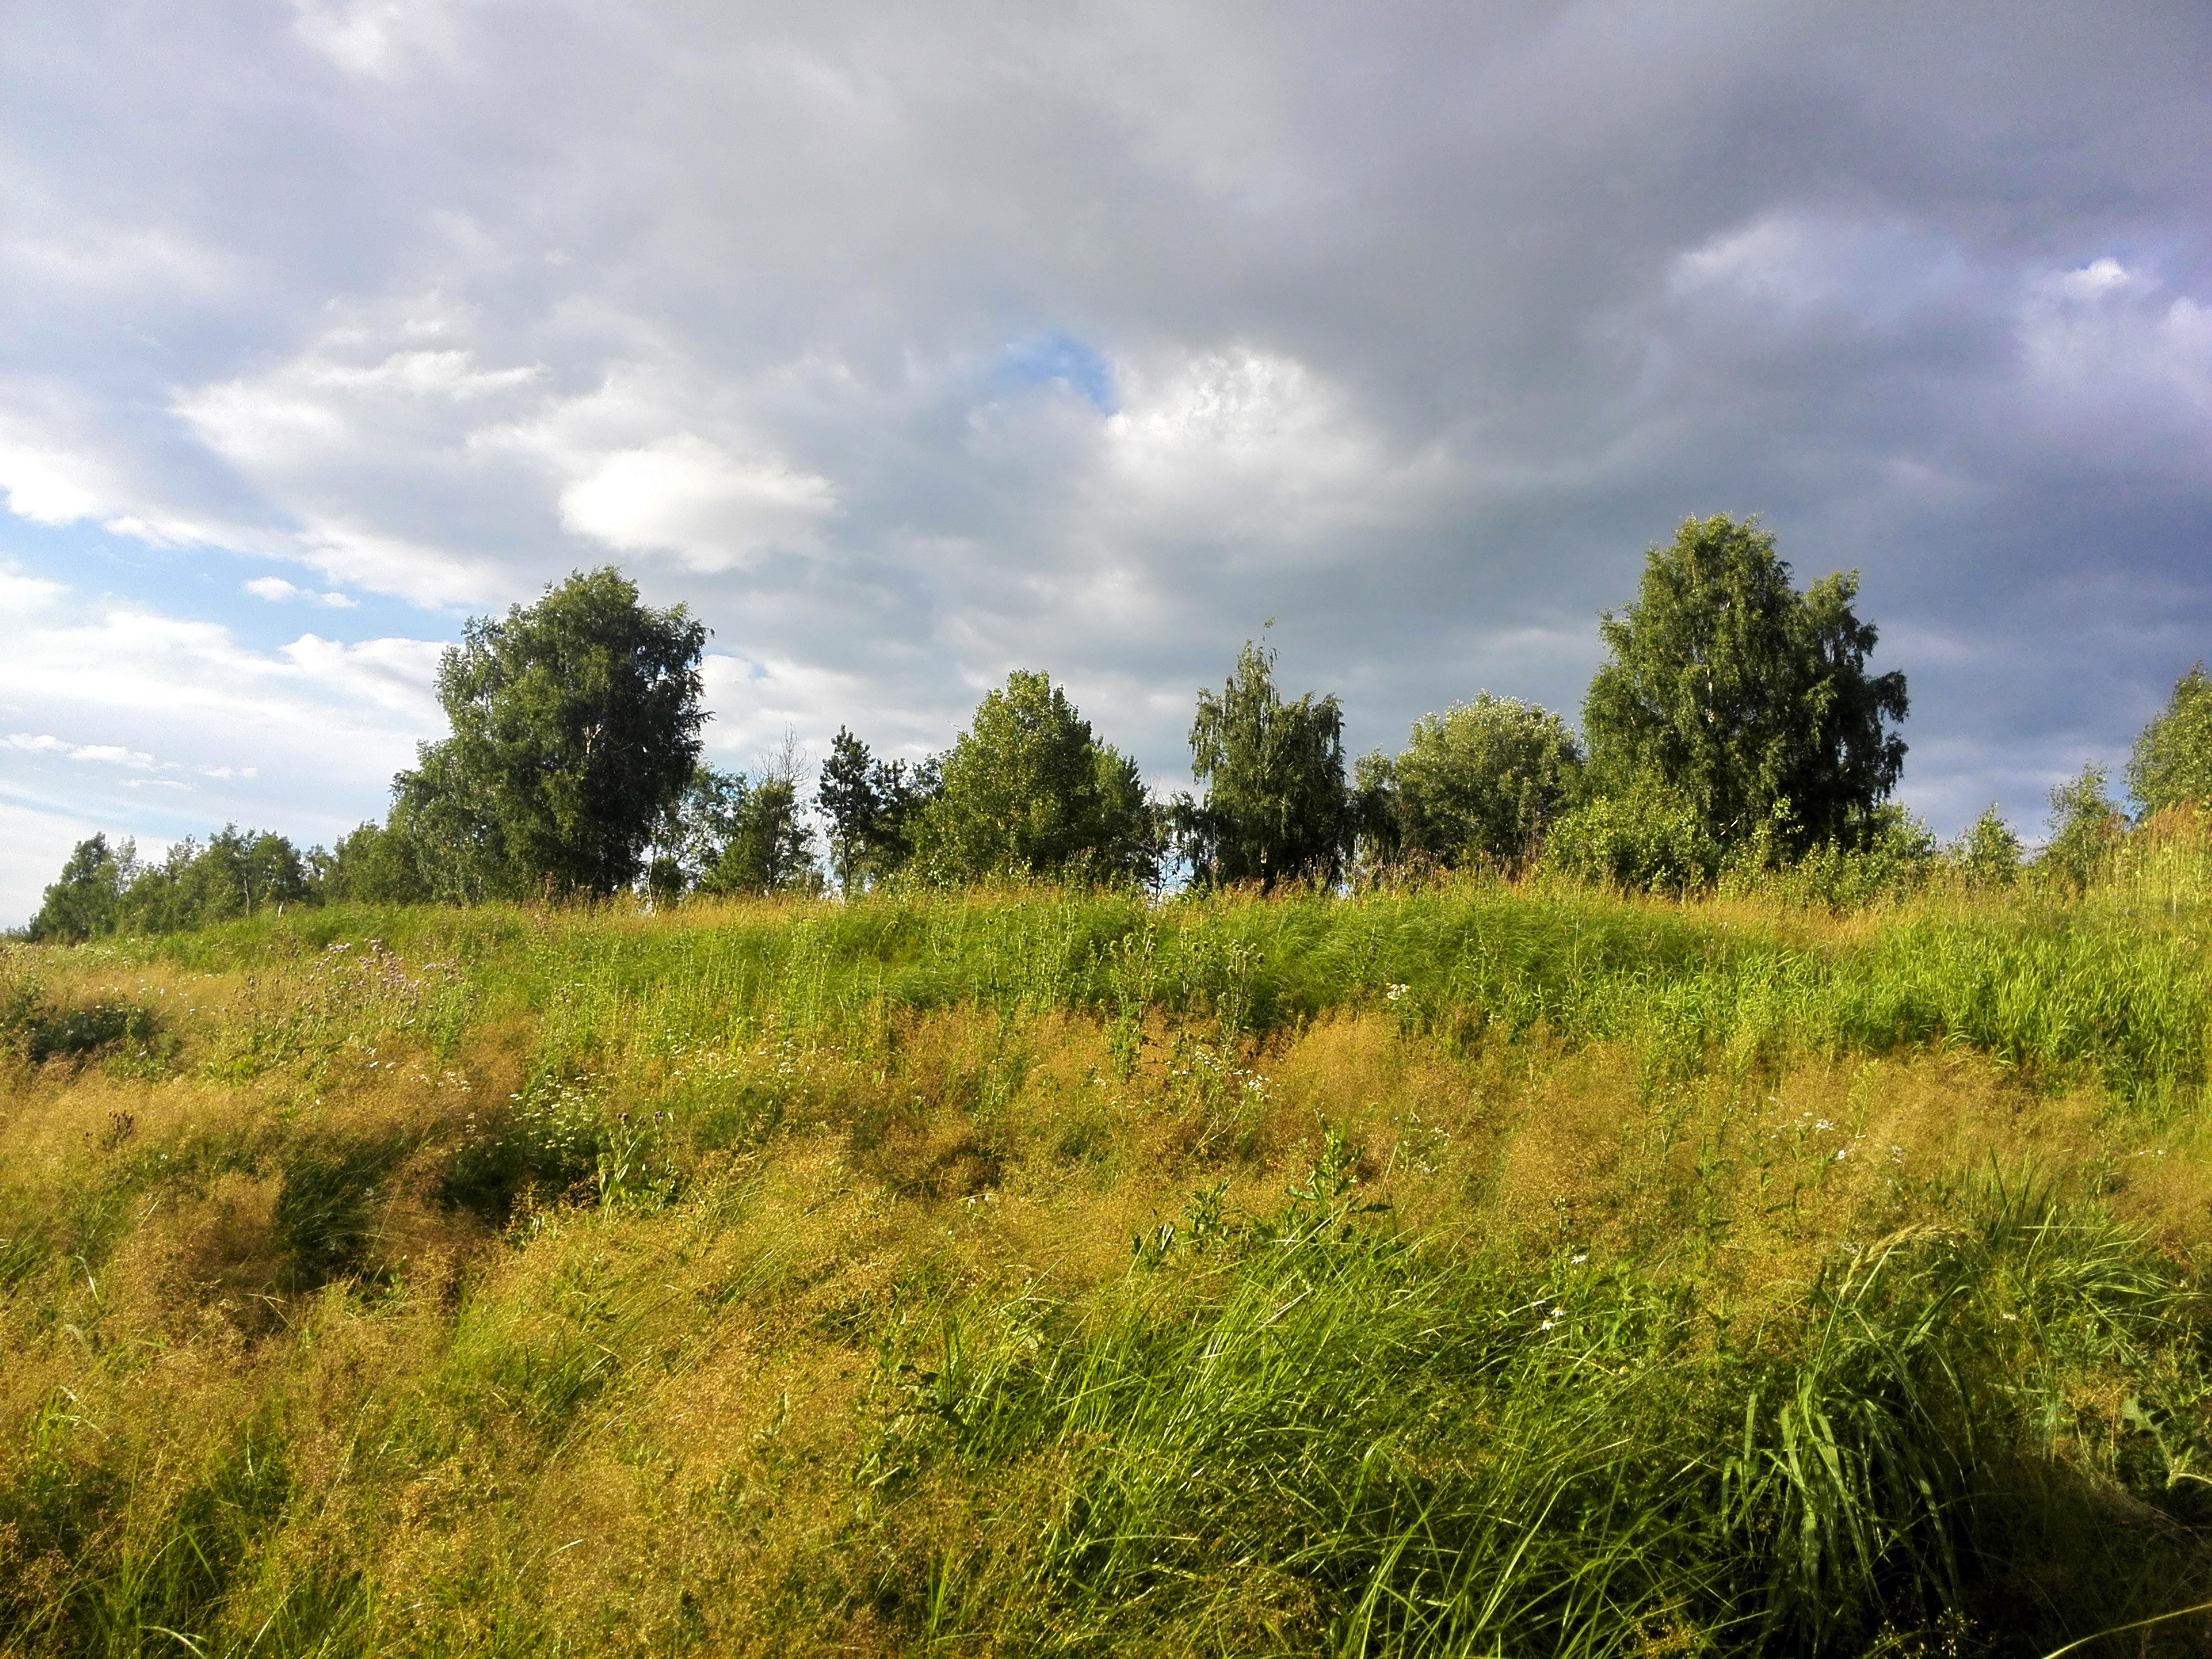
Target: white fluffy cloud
column 109, row 699
column 2119, row 366
column 684, row 496
column 275, row 590
column 1236, row 444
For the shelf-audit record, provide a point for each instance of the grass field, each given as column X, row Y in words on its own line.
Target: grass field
column 1480, row 1269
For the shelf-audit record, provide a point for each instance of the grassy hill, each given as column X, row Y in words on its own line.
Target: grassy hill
column 1482, row 1269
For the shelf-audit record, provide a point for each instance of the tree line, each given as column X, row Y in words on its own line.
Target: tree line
column 1736, row 725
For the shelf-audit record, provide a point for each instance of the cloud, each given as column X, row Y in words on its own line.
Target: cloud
column 2111, row 357
column 685, row 495
column 47, row 486
column 908, row 345
column 43, row 742
column 378, row 38
column 303, row 738
column 1238, row 444
column 276, row 589
column 23, row 596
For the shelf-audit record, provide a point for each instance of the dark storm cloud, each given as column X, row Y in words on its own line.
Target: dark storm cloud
column 911, row 344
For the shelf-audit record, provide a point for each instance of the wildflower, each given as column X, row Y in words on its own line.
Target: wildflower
column 1396, row 991
column 1577, row 1261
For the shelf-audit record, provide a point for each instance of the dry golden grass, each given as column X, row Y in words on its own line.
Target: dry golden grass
column 641, row 1425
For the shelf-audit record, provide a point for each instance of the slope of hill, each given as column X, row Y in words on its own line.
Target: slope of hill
column 1480, row 1269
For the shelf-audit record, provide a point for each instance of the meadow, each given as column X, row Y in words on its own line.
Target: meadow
column 1461, row 1267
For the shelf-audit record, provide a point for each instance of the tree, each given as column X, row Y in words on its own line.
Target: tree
column 689, row 836
column 1987, row 851
column 874, row 807
column 374, row 864
column 576, row 724
column 770, row 847
column 1027, row 789
column 85, row 900
column 234, row 873
column 1276, row 808
column 2172, row 762
column 2086, row 823
column 1749, row 700
column 1480, row 781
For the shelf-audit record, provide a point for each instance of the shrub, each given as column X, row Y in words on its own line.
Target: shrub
column 2085, row 826
column 1649, row 841
column 1987, row 853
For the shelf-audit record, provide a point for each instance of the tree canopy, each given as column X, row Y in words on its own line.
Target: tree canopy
column 576, row 724
column 235, row 873
column 2171, row 762
column 766, row 844
column 872, row 806
column 1028, row 789
column 1749, row 700
column 1275, row 808
column 1482, row 781
column 84, row 898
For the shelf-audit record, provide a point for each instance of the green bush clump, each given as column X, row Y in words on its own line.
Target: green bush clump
column 36, row 1031
column 1645, row 840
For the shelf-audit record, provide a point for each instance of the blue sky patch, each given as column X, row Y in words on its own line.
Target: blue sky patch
column 1063, row 357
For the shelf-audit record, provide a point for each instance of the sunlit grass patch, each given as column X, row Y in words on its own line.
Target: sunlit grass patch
column 1484, row 1269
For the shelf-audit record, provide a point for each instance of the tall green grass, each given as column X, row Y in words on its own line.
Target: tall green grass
column 1467, row 1271
column 2061, row 992
column 1394, row 1449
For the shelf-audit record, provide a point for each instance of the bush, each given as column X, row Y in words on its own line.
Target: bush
column 1987, row 854
column 1651, row 841
column 2085, row 826
column 37, row 1031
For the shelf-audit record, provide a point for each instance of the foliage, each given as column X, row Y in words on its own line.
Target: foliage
column 2084, row 826
column 1987, row 854
column 1893, row 855
column 85, row 898
column 1648, row 839
column 234, row 873
column 770, row 847
column 1276, row 808
column 575, row 727
column 377, row 864
column 1027, row 790
column 1746, row 699
column 694, row 829
column 2171, row 764
column 34, row 1029
column 1481, row 781
column 872, row 806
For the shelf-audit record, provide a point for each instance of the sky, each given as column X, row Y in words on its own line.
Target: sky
column 908, row 345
